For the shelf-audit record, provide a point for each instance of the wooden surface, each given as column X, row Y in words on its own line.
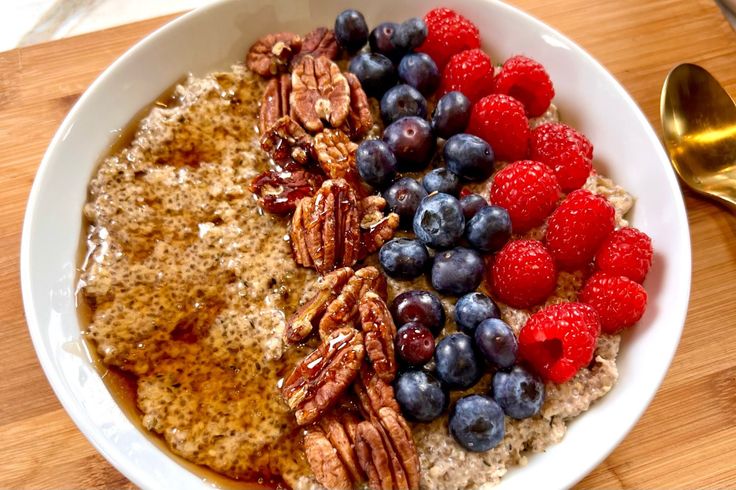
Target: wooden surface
column 686, row 439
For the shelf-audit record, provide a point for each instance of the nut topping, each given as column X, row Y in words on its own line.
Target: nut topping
column 279, row 192
column 360, row 119
column 335, row 154
column 373, row 394
column 323, row 376
column 319, row 42
column 275, row 102
column 379, row 332
column 344, row 309
column 319, row 92
column 272, row 53
column 340, row 429
column 328, row 469
column 382, row 231
column 287, row 143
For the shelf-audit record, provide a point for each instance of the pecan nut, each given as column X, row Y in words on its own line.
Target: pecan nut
column 344, row 309
column 322, row 457
column 272, row 53
column 340, row 429
column 275, row 102
column 379, row 332
column 360, row 119
column 279, row 192
column 373, row 393
column 319, row 380
column 325, row 229
column 335, row 154
column 319, row 42
column 319, row 92
column 287, row 143
column 373, row 238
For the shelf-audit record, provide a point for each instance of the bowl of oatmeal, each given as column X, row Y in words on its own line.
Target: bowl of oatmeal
column 181, row 384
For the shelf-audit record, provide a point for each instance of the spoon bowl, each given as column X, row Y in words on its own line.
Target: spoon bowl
column 699, row 126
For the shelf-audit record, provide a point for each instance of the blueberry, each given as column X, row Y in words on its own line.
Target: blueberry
column 375, row 72
column 403, row 258
column 351, row 31
column 471, row 204
column 451, row 114
column 477, row 423
column 441, row 180
column 472, row 309
column 402, row 101
column 420, row 396
column 439, row 221
column 414, row 344
column 489, row 229
column 519, row 392
column 382, row 39
column 497, row 342
column 411, row 34
column 456, row 363
column 469, row 156
column 421, row 72
column 421, row 307
column 376, row 163
column 457, row 271
column 403, row 198
column 412, row 141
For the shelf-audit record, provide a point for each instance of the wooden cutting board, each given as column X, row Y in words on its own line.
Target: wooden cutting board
column 687, row 437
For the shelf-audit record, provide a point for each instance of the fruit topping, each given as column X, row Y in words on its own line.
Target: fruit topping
column 415, row 344
column 448, row 33
column 471, row 204
column 528, row 82
column 472, row 309
column 469, row 157
column 523, row 274
column 564, row 150
column 351, row 30
column 441, row 180
column 626, row 252
column 402, row 101
column 376, row 163
column 375, row 72
column 518, row 392
column 423, row 307
column 383, row 40
column 419, row 71
column 619, row 301
column 457, row 271
column 456, row 363
column 501, row 121
column 403, row 198
column 404, row 258
column 477, row 423
column 411, row 34
column 451, row 114
column 420, row 395
column 412, row 141
column 439, row 221
column 497, row 342
column 489, row 229
column 469, row 72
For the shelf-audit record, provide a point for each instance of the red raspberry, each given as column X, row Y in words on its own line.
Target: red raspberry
column 528, row 190
column 500, row 120
column 448, row 33
column 619, row 301
column 527, row 81
column 626, row 252
column 469, row 72
column 576, row 229
column 559, row 340
column 566, row 151
column 523, row 274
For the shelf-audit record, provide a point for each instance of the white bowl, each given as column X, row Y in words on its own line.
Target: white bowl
column 213, row 37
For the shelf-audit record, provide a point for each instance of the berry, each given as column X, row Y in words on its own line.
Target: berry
column 441, row 180
column 500, row 120
column 472, row 309
column 439, row 221
column 519, row 393
column 489, row 229
column 375, row 72
column 351, row 31
column 564, row 150
column 527, row 81
column 382, row 39
column 625, row 252
column 415, row 344
column 419, row 71
column 469, row 157
column 497, row 342
column 411, row 34
column 559, row 340
column 477, row 423
column 471, row 204
column 420, row 396
column 376, row 163
column 457, row 271
column 402, row 101
column 619, row 301
column 469, row 72
column 422, row 307
column 456, row 364
column 523, row 274
column 451, row 114
column 403, row 258
column 576, row 229
column 528, row 190
column 403, row 198
column 448, row 33
column 412, row 141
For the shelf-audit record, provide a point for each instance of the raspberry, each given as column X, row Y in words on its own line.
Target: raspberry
column 565, row 151
column 576, row 229
column 619, row 301
column 527, row 81
column 559, row 340
column 626, row 252
column 523, row 274
column 469, row 72
column 448, row 33
column 500, row 120
column 528, row 190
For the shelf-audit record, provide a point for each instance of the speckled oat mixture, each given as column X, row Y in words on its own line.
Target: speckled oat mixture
column 190, row 285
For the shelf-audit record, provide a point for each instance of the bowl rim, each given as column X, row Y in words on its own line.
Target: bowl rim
column 111, row 452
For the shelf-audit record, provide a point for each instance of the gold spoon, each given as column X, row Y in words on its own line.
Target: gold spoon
column 699, row 125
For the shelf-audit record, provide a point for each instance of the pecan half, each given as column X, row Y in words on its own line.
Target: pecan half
column 328, row 288
column 322, row 457
column 344, row 309
column 323, row 376
column 319, row 92
column 279, row 192
column 319, row 42
column 272, row 53
column 373, row 456
column 360, row 119
column 379, row 332
column 325, row 230
column 335, row 154
column 373, row 393
column 340, row 428
column 287, row 143
column 275, row 102
column 374, row 237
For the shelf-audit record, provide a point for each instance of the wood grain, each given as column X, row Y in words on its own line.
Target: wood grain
column 687, row 437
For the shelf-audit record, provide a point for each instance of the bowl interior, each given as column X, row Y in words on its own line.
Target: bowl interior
column 627, row 150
